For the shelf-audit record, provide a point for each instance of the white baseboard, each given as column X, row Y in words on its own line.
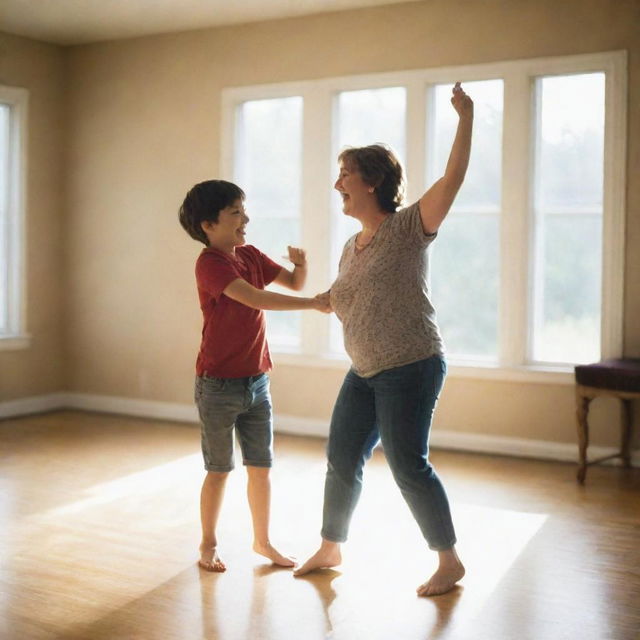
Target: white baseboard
column 34, row 404
column 127, row 406
column 454, row 440
column 471, row 442
column 101, row 404
column 519, row 447
column 300, row 426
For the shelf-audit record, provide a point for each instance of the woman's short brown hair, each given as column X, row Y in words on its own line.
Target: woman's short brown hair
column 379, row 168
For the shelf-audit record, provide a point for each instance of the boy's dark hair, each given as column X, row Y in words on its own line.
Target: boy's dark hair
column 379, row 168
column 204, row 201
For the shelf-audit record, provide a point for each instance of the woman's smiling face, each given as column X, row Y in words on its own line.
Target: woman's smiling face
column 353, row 189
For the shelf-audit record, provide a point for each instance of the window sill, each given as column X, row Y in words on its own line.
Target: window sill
column 15, row 343
column 562, row 374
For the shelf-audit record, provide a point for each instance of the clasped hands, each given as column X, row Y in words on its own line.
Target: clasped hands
column 323, row 302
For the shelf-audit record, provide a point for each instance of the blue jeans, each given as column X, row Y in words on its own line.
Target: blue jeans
column 395, row 406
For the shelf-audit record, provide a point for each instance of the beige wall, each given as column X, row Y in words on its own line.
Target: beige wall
column 39, row 68
column 145, row 117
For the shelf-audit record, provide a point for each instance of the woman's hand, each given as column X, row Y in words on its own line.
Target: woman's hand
column 461, row 102
column 323, row 303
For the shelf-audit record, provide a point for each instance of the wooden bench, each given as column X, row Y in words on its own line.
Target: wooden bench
column 619, row 378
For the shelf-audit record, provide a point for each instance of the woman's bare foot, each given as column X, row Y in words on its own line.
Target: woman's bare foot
column 209, row 559
column 328, row 555
column 449, row 572
column 266, row 550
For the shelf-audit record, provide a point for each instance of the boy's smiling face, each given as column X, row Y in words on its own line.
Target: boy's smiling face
column 229, row 231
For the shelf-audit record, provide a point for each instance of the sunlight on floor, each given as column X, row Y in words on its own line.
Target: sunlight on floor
column 385, row 549
column 493, row 539
column 135, row 485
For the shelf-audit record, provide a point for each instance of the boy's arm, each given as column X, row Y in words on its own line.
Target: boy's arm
column 241, row 291
column 436, row 202
column 294, row 279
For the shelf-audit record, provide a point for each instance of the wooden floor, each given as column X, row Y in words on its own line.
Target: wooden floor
column 100, row 528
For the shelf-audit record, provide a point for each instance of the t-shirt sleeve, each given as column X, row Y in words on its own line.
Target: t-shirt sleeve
column 214, row 274
column 408, row 222
column 270, row 269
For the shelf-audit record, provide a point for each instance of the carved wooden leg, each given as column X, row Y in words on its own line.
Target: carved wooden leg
column 582, row 410
column 627, row 425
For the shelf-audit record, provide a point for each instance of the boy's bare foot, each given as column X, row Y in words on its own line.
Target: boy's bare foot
column 444, row 579
column 328, row 555
column 210, row 561
column 266, row 550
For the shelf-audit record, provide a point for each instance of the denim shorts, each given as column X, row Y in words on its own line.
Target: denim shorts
column 242, row 405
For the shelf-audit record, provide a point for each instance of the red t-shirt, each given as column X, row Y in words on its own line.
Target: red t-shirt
column 234, row 340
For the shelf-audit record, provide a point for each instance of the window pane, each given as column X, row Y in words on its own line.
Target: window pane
column 362, row 118
column 568, row 218
column 569, row 329
column 571, row 141
column 268, row 168
column 465, row 285
column 372, row 115
column 4, row 212
column 465, row 256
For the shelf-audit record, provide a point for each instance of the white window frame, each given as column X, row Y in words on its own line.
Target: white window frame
column 16, row 337
column 319, row 172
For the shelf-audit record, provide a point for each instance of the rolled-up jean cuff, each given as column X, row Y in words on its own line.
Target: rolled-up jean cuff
column 443, row 547
column 267, row 464
column 217, row 468
column 332, row 538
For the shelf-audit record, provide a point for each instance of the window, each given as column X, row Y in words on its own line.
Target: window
column 465, row 291
column 268, row 169
column 527, row 271
column 12, row 133
column 567, row 242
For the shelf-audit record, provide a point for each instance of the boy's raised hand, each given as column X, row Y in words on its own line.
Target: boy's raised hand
column 296, row 277
column 297, row 256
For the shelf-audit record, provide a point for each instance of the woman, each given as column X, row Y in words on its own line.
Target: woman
column 390, row 334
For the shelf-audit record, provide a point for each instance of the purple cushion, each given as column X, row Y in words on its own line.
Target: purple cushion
column 617, row 374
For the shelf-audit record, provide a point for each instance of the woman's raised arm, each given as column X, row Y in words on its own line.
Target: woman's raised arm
column 436, row 202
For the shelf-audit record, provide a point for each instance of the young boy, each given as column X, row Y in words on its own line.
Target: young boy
column 232, row 386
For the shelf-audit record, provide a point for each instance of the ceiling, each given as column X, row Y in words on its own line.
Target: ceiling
column 69, row 22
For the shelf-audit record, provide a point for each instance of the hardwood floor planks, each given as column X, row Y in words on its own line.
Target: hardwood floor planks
column 100, row 532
